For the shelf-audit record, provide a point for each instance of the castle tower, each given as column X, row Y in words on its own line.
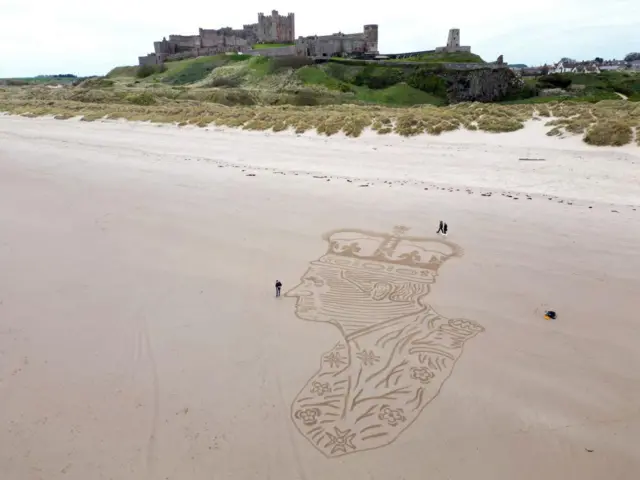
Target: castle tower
column 292, row 27
column 371, row 36
column 276, row 27
column 453, row 42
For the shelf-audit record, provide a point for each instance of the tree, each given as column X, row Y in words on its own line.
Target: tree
column 554, row 80
column 545, row 70
column 599, row 60
column 632, row 57
column 567, row 60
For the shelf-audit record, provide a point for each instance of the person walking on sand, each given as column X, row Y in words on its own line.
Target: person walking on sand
column 440, row 229
column 278, row 287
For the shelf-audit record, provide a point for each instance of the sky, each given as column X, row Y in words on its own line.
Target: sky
column 86, row 37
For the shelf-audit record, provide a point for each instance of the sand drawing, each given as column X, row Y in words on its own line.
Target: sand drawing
column 397, row 351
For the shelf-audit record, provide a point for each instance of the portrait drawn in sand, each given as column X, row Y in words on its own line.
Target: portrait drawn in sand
column 397, row 351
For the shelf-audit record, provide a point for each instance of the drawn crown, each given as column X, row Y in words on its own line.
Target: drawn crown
column 404, row 253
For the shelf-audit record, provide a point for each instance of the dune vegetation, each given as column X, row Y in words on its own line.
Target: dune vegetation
column 259, row 93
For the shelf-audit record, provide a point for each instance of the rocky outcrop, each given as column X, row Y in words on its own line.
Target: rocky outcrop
column 482, row 85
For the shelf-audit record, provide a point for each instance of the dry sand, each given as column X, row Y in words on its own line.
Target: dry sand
column 140, row 339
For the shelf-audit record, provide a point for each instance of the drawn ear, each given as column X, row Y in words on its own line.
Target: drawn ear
column 316, row 411
column 381, row 290
column 297, row 414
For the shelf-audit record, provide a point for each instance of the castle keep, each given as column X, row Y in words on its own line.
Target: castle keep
column 453, row 43
column 270, row 29
column 275, row 29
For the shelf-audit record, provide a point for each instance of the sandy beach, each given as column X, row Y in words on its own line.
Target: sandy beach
column 140, row 337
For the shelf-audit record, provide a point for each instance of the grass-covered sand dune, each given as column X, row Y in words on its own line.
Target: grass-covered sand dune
column 259, row 93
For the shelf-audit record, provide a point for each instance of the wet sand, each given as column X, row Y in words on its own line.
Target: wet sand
column 140, row 338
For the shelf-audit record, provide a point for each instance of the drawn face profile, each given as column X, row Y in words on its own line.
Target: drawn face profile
column 353, row 299
column 397, row 352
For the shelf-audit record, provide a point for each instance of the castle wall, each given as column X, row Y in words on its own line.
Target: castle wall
column 150, row 59
column 274, row 52
column 184, row 42
column 226, row 37
column 339, row 43
column 211, row 38
column 453, row 49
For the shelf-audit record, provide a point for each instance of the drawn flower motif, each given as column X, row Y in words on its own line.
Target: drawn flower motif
column 341, row 440
column 393, row 417
column 466, row 326
column 421, row 373
column 309, row 416
column 368, row 357
column 320, row 388
column 334, row 359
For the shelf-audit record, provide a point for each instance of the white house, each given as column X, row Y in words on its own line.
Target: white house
column 581, row 67
column 612, row 65
column 563, row 67
column 586, row 68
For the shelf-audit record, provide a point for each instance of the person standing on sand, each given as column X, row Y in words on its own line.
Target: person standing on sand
column 445, row 228
column 278, row 287
column 440, row 229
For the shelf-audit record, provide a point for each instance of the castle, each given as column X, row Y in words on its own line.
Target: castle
column 279, row 30
column 270, row 29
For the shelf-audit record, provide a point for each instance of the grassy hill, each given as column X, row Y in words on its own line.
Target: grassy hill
column 39, row 80
column 294, row 80
column 585, row 87
column 261, row 93
column 443, row 57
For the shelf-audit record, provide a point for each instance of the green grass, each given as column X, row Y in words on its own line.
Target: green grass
column 193, row 70
column 260, row 46
column 181, row 72
column 599, row 84
column 125, row 71
column 400, row 94
column 456, row 57
column 538, row 100
column 40, row 80
column 312, row 75
column 372, row 84
column 609, row 122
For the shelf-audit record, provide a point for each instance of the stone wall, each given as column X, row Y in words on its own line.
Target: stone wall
column 407, row 54
column 465, row 49
column 442, row 66
column 150, row 59
column 274, row 52
column 204, row 52
column 226, row 37
column 184, row 42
